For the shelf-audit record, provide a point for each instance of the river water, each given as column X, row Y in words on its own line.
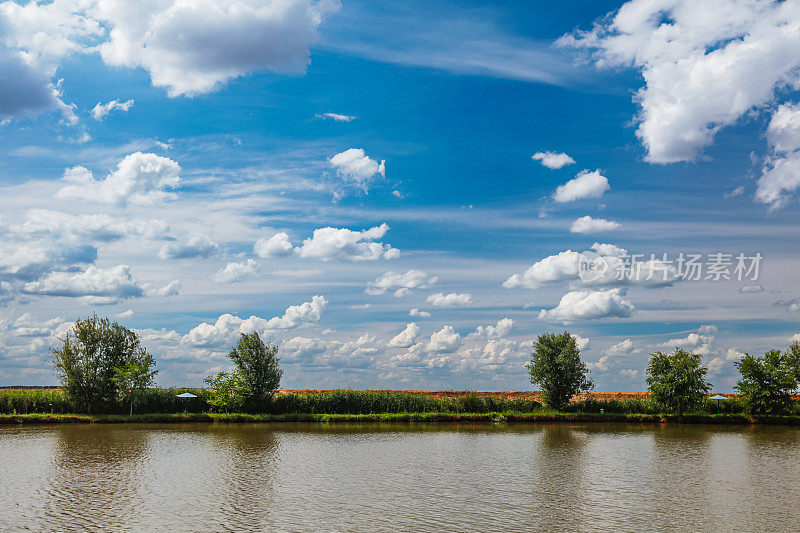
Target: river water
column 309, row 477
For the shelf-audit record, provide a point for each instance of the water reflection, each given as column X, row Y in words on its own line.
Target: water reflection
column 459, row 477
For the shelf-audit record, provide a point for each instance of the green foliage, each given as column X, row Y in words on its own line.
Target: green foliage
column 88, row 357
column 556, row 367
column 133, row 378
column 229, row 391
column 257, row 364
column 676, row 381
column 767, row 382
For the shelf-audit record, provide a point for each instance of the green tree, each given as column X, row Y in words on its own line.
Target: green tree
column 133, row 378
column 258, row 365
column 676, row 381
column 556, row 367
column 86, row 360
column 767, row 383
column 228, row 391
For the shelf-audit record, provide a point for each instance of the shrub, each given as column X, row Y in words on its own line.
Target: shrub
column 229, row 391
column 557, row 368
column 676, row 381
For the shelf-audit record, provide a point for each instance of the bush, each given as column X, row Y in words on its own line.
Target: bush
column 676, row 381
column 557, row 368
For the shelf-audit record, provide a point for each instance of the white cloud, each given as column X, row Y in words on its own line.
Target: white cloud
column 585, row 185
column 276, row 246
column 407, row 337
column 6, row 292
column 581, row 342
column 357, row 168
column 625, row 347
column 419, row 312
column 601, row 364
column 735, row 355
column 125, row 314
column 716, row 365
column 23, row 89
column 338, row 117
column 115, row 282
column 498, row 331
column 780, row 176
column 139, row 179
column 705, row 64
column 30, row 262
column 588, row 305
column 608, row 262
column 194, row 47
column 794, row 338
column 228, row 326
column 198, row 245
column 235, row 272
column 446, row 340
column 101, row 111
column 738, row 191
column 629, row 373
column 554, row 160
column 452, row 299
column 341, row 243
column 699, row 341
column 172, row 288
column 588, row 224
column 401, row 284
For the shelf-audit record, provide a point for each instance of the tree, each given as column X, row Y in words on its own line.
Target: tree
column 767, row 382
column 676, row 381
column 229, row 391
column 86, row 360
column 258, row 365
column 557, row 368
column 133, row 378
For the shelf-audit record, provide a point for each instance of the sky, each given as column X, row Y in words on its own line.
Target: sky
column 401, row 195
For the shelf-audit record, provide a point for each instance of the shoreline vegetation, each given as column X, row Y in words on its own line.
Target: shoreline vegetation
column 50, row 406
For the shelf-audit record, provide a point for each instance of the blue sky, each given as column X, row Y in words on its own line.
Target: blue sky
column 315, row 171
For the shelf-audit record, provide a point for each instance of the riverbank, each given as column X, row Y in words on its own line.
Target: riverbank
column 505, row 417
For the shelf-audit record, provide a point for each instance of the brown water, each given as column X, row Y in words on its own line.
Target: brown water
column 295, row 477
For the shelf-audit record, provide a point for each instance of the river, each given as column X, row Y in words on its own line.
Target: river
column 344, row 477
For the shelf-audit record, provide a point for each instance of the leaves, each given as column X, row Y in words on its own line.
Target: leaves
column 676, row 381
column 557, row 368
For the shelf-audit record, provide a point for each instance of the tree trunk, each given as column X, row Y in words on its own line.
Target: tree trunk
column 130, row 414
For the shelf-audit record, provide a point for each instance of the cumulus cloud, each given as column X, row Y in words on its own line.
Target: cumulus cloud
column 114, row 283
column 794, row 338
column 446, row 340
column 347, row 245
column 198, row 245
column 452, row 299
column 139, row 179
column 405, row 338
column 589, row 305
column 625, row 347
column 581, row 342
column 608, row 262
column 704, row 64
column 30, row 262
column 173, row 288
column 588, row 224
column 735, row 355
column 235, row 272
column 194, row 47
column 400, row 283
column 699, row 341
column 355, row 167
column 228, row 326
column 497, row 331
column 554, row 160
column 585, row 185
column 780, row 176
column 278, row 245
column 101, row 111
column 23, row 89
column 419, row 312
